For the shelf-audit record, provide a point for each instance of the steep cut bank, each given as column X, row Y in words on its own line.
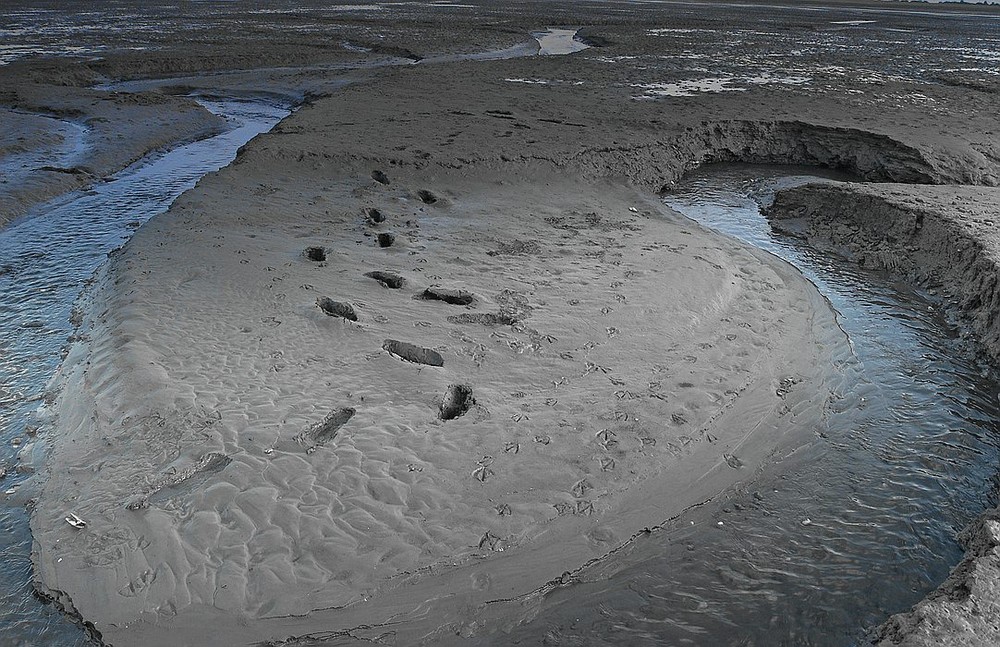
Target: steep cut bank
column 452, row 110
column 944, row 238
column 871, row 156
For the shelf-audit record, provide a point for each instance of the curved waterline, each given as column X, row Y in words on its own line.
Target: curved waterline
column 48, row 256
column 843, row 532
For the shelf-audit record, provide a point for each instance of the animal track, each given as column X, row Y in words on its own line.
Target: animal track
column 454, row 297
column 785, row 386
column 385, row 239
column 457, row 402
column 317, row 254
column 208, row 464
column 387, row 279
column 494, row 543
column 515, row 247
column 426, row 196
column 325, row 430
column 375, row 216
column 337, row 308
column 483, row 318
column 412, row 353
column 483, row 472
column 380, row 177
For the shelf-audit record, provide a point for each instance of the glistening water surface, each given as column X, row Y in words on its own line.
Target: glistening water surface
column 46, row 259
column 858, row 525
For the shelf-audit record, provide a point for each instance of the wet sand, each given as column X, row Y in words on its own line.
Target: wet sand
column 589, row 364
column 623, row 366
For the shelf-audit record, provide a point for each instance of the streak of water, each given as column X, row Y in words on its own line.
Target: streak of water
column 557, row 42
column 46, row 259
column 859, row 525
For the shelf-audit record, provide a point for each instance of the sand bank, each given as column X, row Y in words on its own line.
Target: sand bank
column 624, row 365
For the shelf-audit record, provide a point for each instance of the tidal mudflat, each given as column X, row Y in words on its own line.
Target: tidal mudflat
column 431, row 357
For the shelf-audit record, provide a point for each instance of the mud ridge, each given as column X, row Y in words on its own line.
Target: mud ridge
column 962, row 611
column 483, row 318
column 62, row 601
column 869, row 156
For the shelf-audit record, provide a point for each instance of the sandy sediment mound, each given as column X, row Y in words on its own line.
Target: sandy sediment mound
column 944, row 238
column 626, row 366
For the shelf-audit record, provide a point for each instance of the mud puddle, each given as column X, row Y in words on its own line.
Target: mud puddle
column 853, row 527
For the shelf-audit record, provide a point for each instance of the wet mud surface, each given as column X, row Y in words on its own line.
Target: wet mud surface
column 466, row 445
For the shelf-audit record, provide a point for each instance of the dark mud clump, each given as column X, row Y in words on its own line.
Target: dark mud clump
column 454, row 297
column 386, row 239
column 326, row 429
column 375, row 216
column 484, row 318
column 380, row 177
column 337, row 308
column 387, row 279
column 413, row 353
column 426, row 197
column 317, row 254
column 457, row 402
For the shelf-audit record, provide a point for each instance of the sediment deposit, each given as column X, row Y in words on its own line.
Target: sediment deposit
column 433, row 343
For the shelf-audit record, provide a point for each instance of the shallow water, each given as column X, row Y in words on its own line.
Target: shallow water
column 557, row 42
column 46, row 259
column 855, row 527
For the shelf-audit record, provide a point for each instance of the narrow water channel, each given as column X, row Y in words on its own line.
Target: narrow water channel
column 858, row 525
column 45, row 260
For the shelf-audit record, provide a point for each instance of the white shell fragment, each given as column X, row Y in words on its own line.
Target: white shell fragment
column 75, row 521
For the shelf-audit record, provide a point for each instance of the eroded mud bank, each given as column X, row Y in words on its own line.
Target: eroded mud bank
column 942, row 238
